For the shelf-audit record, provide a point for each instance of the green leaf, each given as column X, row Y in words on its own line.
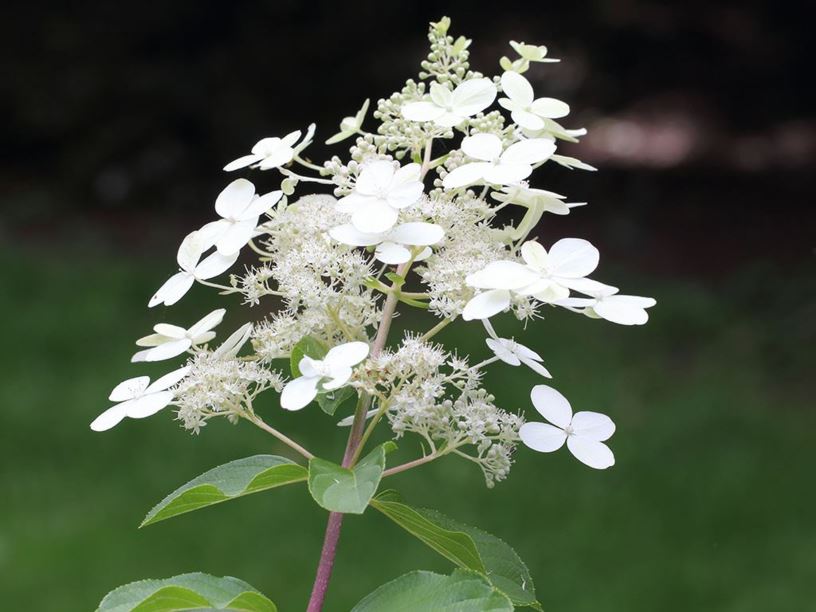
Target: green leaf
column 307, row 347
column 466, row 546
column 331, row 400
column 505, row 569
column 228, row 481
column 340, row 489
column 462, row 591
column 186, row 592
column 455, row 545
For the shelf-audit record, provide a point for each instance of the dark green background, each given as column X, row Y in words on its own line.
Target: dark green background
column 708, row 508
column 116, row 120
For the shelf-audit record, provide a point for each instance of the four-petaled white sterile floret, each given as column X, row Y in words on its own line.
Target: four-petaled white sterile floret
column 171, row 340
column 138, row 398
column 380, row 192
column 327, row 374
column 419, row 202
column 498, row 167
column 240, row 210
column 584, row 432
column 274, row 152
column 448, row 108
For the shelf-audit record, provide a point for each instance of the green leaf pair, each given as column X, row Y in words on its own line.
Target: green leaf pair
column 195, row 591
column 467, row 547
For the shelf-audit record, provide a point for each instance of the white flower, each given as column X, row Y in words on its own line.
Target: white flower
column 393, row 245
column 171, row 340
column 271, row 152
column 379, row 193
column 350, row 125
column 513, row 353
column 527, row 112
column 621, row 309
column 192, row 269
column 448, row 108
column 548, row 277
column 497, row 167
column 538, row 199
column 532, row 53
column 240, row 210
column 138, row 398
column 583, row 432
column 333, row 371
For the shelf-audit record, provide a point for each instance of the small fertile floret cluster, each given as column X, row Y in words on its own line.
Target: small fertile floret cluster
column 410, row 219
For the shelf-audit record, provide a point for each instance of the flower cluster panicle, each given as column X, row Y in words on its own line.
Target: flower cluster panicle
column 412, row 217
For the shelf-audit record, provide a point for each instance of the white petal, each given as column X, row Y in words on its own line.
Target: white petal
column 190, row 251
column 593, row 425
column 449, row 119
column 587, row 286
column 535, row 255
column 425, row 253
column 573, row 258
column 230, row 347
column 409, row 173
column 168, row 380
column 168, row 350
column 486, row 147
column 350, row 235
column 551, row 405
column 624, row 309
column 211, row 232
column 550, row 108
column 349, row 203
column 466, row 175
column 163, row 329
column 292, row 137
column 392, row 254
column 502, row 275
column 422, row 111
column 527, row 120
column 485, row 305
column 207, row 323
column 173, row 289
column 148, row 405
column 501, row 349
column 489, row 327
column 542, row 437
column 473, row 96
column 348, row 354
column 417, row 234
column 236, row 237
column 375, row 177
column 374, row 216
column 234, row 198
column 441, row 95
column 282, row 155
column 340, row 376
column 404, row 195
column 110, row 418
column 517, row 88
column 536, row 367
column 265, row 146
column 298, row 393
column 505, row 173
column 215, row 264
column 553, row 292
column 589, row 452
column 309, row 367
column 242, row 162
column 261, row 204
column 529, row 151
column 130, row 388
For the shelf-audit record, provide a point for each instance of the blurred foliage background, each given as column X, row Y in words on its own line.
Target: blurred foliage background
column 117, row 119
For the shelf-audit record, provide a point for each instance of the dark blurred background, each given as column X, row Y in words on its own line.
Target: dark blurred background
column 116, row 120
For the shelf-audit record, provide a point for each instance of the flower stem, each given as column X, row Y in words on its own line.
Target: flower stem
column 280, row 436
column 335, row 522
column 435, row 329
